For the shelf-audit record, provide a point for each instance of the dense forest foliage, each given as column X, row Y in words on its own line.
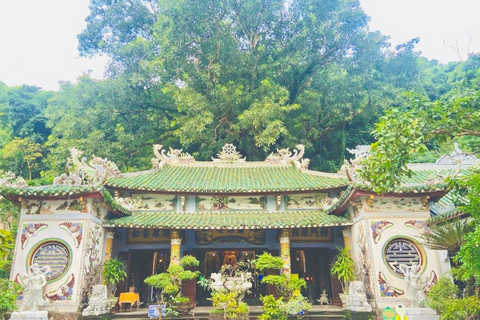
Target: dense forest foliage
column 258, row 74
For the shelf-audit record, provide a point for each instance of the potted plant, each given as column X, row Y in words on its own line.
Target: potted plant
column 229, row 287
column 170, row 282
column 113, row 273
column 344, row 269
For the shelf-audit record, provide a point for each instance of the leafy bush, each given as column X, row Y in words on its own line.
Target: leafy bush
column 442, row 291
column 8, row 296
column 113, row 273
column 343, row 267
column 443, row 298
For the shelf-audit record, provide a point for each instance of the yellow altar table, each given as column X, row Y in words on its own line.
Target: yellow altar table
column 129, row 297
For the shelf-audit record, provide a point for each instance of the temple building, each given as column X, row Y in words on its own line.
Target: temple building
column 224, row 211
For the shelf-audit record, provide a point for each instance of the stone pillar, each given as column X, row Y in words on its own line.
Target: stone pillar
column 175, row 245
column 109, row 245
column 346, row 237
column 285, row 252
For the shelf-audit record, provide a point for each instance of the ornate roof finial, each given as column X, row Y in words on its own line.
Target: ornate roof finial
column 457, row 156
column 96, row 171
column 350, row 168
column 286, row 157
column 8, row 179
column 173, row 156
column 229, row 153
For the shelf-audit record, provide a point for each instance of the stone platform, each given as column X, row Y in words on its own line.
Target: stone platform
column 422, row 314
column 30, row 315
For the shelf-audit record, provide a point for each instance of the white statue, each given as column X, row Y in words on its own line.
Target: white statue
column 415, row 293
column 98, row 301
column 240, row 284
column 34, row 283
column 324, row 298
column 357, row 298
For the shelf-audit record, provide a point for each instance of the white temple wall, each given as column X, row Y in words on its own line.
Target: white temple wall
column 66, row 235
column 386, row 233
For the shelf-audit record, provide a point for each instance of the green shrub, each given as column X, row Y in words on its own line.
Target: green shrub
column 8, row 296
column 113, row 273
column 443, row 298
column 442, row 291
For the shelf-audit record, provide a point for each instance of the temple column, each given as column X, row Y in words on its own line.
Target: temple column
column 346, row 237
column 285, row 252
column 175, row 246
column 109, row 245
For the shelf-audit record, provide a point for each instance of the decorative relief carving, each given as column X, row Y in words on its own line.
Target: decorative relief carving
column 55, row 256
column 92, row 265
column 204, row 237
column 230, row 203
column 378, row 227
column 420, row 225
column 128, row 202
column 402, row 251
column 386, row 289
column 65, row 291
column 379, row 204
column 75, row 230
column 30, row 230
column 173, row 156
column 229, row 153
column 363, row 265
column 310, row 201
column 155, row 202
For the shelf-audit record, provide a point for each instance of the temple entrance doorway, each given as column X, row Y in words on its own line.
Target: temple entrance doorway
column 140, row 265
column 211, row 261
column 313, row 265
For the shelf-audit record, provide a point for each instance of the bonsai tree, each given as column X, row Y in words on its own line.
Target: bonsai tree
column 170, row 282
column 113, row 273
column 289, row 302
column 229, row 286
column 344, row 267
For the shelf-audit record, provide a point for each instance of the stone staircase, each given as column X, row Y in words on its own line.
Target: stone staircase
column 202, row 313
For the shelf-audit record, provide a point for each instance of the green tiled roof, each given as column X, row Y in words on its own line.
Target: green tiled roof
column 51, row 190
column 228, row 220
column 64, row 191
column 228, row 179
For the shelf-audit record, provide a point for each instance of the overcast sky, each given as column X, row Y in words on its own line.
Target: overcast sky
column 38, row 44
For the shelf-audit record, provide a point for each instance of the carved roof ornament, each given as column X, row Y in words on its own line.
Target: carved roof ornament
column 287, row 157
column 96, row 171
column 327, row 203
column 457, row 156
column 350, row 168
column 229, row 153
column 70, row 179
column 8, row 179
column 173, row 156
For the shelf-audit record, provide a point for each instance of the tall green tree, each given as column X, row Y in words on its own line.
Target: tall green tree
column 253, row 73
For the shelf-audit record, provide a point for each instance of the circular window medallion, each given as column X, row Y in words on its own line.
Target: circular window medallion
column 53, row 254
column 402, row 251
